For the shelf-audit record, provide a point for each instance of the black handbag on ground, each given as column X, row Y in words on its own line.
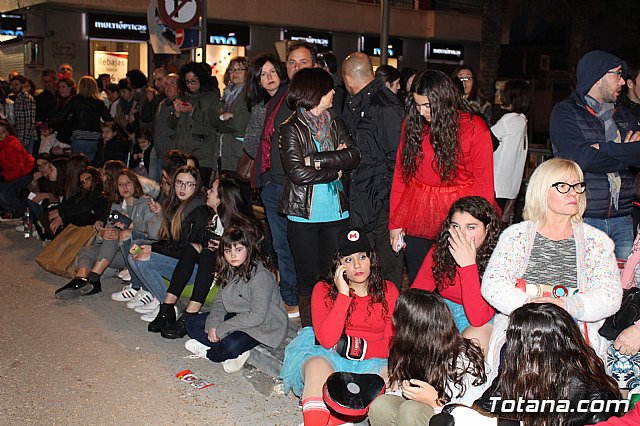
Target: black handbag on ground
column 628, row 313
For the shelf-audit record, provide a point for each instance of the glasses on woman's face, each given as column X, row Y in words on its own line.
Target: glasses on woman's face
column 188, row 185
column 236, row 70
column 86, row 181
column 563, row 187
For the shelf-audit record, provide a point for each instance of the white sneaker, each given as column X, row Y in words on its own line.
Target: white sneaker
column 235, row 364
column 148, row 307
column 124, row 275
column 196, row 348
column 151, row 315
column 127, row 293
column 142, row 297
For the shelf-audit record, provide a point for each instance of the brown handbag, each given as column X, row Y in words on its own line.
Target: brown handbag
column 60, row 256
column 245, row 168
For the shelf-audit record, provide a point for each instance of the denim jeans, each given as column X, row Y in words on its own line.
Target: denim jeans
column 278, row 226
column 87, row 147
column 619, row 229
column 9, row 192
column 232, row 346
column 154, row 271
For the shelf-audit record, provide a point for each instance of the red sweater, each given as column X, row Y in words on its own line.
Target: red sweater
column 476, row 162
column 632, row 418
column 329, row 318
column 465, row 290
column 15, row 161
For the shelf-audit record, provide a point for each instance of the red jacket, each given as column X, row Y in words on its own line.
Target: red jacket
column 15, row 161
column 476, row 163
column 464, row 290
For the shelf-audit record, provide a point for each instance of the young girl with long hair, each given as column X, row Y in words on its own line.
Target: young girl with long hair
column 184, row 220
column 352, row 308
column 94, row 260
column 445, row 153
column 230, row 208
column 429, row 360
column 455, row 264
column 247, row 310
column 546, row 357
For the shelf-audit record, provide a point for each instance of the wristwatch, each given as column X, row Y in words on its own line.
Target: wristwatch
column 316, row 164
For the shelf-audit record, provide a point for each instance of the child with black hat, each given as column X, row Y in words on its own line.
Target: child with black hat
column 352, row 329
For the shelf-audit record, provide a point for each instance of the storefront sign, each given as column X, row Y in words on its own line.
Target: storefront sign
column 445, row 51
column 118, row 27
column 229, row 35
column 11, row 26
column 323, row 41
column 371, row 46
column 113, row 63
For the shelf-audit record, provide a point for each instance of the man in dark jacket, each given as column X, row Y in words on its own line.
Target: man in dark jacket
column 374, row 116
column 588, row 129
column 631, row 96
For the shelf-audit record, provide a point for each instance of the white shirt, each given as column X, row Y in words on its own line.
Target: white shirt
column 510, row 157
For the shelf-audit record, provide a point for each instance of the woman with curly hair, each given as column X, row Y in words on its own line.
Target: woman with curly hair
column 351, row 310
column 539, row 338
column 429, row 361
column 195, row 114
column 445, row 153
column 455, row 264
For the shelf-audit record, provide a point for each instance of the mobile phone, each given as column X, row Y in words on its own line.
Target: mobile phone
column 135, row 249
column 344, row 275
column 118, row 217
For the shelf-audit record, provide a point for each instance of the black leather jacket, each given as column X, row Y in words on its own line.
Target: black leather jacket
column 86, row 113
column 296, row 143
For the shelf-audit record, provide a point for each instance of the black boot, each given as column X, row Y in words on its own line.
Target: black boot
column 97, row 287
column 177, row 330
column 75, row 288
column 166, row 316
column 304, row 305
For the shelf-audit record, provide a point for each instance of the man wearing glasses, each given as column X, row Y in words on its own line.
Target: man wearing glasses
column 588, row 129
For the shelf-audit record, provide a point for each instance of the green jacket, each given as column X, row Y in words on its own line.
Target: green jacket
column 232, row 131
column 195, row 132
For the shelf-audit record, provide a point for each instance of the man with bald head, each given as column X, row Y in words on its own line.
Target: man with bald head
column 163, row 134
column 374, row 115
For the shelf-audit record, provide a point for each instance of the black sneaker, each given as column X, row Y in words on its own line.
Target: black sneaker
column 75, row 288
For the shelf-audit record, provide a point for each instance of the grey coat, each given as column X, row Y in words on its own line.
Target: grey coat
column 144, row 220
column 254, row 130
column 232, row 131
column 258, row 307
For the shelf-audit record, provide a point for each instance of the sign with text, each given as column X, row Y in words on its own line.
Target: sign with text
column 228, row 35
column 445, row 51
column 118, row 27
column 113, row 63
column 322, row 41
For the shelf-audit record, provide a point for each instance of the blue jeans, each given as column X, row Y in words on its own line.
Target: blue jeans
column 278, row 226
column 9, row 192
column 150, row 274
column 619, row 229
column 232, row 346
column 87, row 147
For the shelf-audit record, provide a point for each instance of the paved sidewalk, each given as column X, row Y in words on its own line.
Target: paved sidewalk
column 92, row 361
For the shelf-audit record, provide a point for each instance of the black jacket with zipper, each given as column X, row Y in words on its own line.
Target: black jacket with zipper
column 296, row 143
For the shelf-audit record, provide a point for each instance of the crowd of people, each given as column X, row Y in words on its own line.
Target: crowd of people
column 359, row 175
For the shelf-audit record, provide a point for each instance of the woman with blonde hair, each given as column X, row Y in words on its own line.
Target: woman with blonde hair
column 553, row 257
column 82, row 115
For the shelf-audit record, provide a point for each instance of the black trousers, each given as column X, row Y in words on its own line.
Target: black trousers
column 416, row 251
column 206, row 261
column 390, row 261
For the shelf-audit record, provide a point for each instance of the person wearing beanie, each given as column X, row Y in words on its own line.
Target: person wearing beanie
column 589, row 129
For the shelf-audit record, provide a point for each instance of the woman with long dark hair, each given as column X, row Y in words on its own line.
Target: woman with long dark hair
column 194, row 116
column 455, row 264
column 445, row 153
column 315, row 148
column 479, row 106
column 429, row 361
column 184, row 220
column 539, row 338
column 230, row 209
column 352, row 308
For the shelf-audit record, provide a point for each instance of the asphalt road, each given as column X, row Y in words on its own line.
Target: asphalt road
column 93, row 362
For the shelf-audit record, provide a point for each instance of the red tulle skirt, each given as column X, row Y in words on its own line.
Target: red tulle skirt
column 423, row 208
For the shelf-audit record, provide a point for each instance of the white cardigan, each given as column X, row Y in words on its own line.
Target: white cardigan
column 598, row 281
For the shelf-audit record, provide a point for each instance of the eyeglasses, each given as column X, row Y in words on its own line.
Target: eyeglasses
column 181, row 184
column 86, row 180
column 617, row 73
column 563, row 187
column 463, row 79
column 236, row 70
